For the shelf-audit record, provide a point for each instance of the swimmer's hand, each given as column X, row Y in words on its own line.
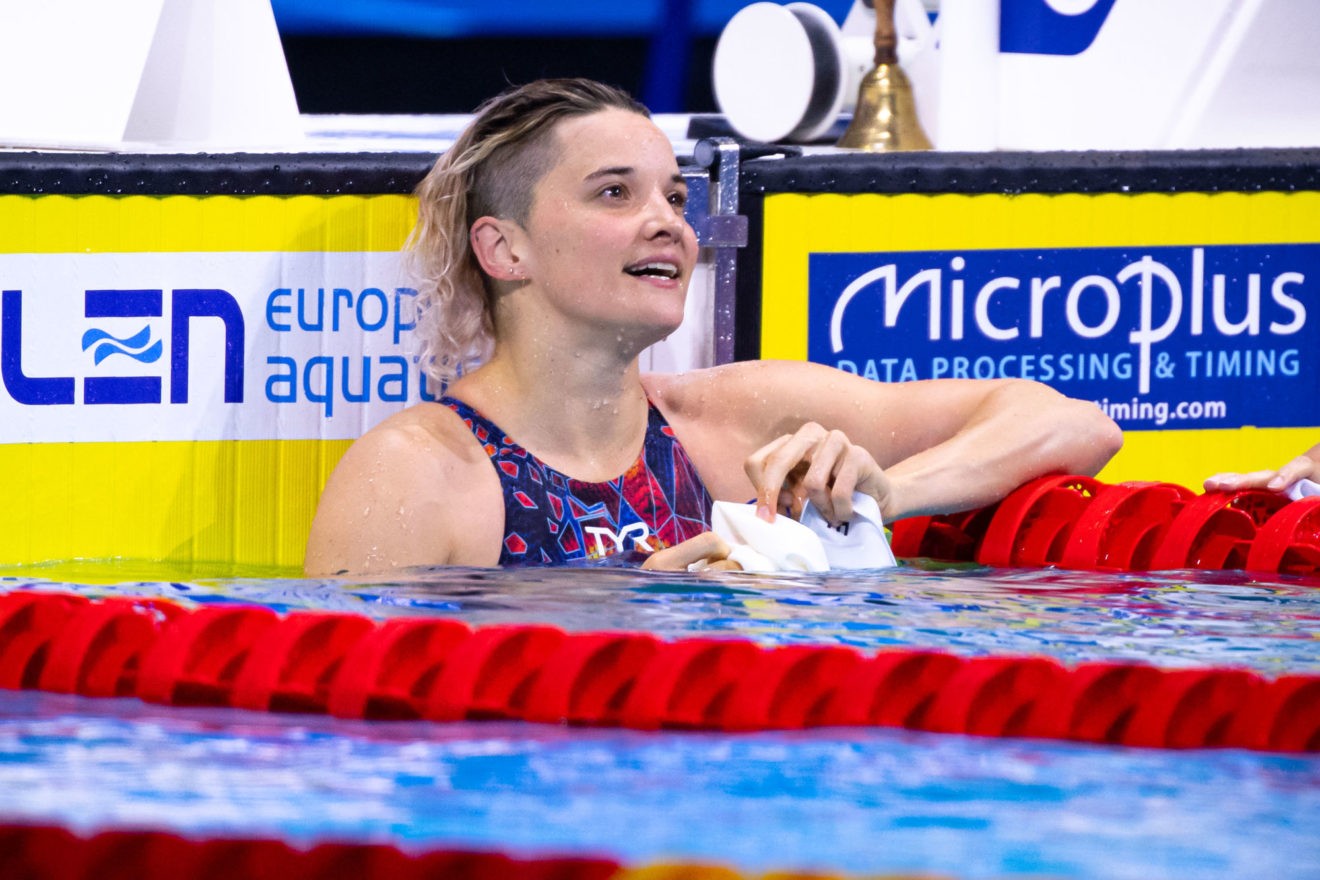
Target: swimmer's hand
column 813, row 464
column 1303, row 467
column 708, row 548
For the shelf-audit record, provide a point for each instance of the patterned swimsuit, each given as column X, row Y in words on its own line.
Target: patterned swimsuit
column 551, row 518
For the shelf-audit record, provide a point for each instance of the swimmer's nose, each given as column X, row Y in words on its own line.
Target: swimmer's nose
column 663, row 218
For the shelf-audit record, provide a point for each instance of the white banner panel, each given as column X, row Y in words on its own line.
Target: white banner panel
column 203, row 346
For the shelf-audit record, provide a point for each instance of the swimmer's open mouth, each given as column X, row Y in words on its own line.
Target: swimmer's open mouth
column 653, row 270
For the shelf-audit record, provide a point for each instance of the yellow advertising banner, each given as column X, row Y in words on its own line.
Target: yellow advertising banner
column 180, row 373
column 1193, row 319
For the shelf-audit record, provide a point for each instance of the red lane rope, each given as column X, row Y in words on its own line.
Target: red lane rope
column 1080, row 523
column 443, row 670
column 43, row 852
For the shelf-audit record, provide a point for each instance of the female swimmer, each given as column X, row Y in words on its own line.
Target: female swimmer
column 554, row 248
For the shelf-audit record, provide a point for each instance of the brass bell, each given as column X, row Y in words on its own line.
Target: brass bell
column 885, row 119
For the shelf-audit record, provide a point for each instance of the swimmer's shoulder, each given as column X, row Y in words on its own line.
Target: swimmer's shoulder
column 720, row 415
column 417, row 489
column 765, row 399
column 426, row 440
column 428, row 429
column 743, row 396
column 695, row 392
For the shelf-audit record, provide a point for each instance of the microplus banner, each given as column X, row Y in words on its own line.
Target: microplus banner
column 1209, row 336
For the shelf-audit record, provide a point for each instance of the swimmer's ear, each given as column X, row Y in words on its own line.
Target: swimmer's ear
column 493, row 242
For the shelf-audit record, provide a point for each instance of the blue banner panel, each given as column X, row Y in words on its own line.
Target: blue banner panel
column 1216, row 336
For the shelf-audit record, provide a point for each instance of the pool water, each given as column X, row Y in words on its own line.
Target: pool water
column 830, row 800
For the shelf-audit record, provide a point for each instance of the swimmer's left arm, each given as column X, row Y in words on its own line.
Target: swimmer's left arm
column 990, row 439
column 942, row 445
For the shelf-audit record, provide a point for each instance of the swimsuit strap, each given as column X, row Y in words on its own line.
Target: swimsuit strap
column 551, row 518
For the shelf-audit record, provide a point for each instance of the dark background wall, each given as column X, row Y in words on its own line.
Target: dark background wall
column 446, row 56
column 379, row 74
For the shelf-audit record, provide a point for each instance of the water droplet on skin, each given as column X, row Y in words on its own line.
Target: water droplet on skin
column 366, row 511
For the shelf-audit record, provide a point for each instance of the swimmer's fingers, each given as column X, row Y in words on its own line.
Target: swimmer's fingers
column 1222, row 482
column 1300, row 468
column 1235, row 482
column 840, row 469
column 769, row 468
column 757, row 467
column 857, row 471
column 822, row 466
column 707, row 547
column 836, row 465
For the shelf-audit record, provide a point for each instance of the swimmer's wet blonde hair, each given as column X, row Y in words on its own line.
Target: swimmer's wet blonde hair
column 491, row 170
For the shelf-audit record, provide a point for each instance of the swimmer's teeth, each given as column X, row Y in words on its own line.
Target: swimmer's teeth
column 663, row 270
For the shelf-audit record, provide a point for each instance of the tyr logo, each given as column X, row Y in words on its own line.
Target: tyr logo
column 638, row 531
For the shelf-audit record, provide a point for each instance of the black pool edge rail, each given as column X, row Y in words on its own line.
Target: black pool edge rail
column 211, row 174
column 1054, row 172
column 783, row 170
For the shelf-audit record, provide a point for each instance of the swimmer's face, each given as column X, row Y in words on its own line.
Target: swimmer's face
column 606, row 239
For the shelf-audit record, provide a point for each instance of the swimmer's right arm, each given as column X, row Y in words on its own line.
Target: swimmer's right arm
column 1304, row 467
column 708, row 548
column 400, row 497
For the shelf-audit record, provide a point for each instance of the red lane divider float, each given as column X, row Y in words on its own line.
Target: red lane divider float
column 1080, row 523
column 43, row 852
column 443, row 670
column 388, row 673
column 1033, row 524
column 1289, row 541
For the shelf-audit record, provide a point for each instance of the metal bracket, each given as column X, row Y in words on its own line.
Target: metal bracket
column 724, row 230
